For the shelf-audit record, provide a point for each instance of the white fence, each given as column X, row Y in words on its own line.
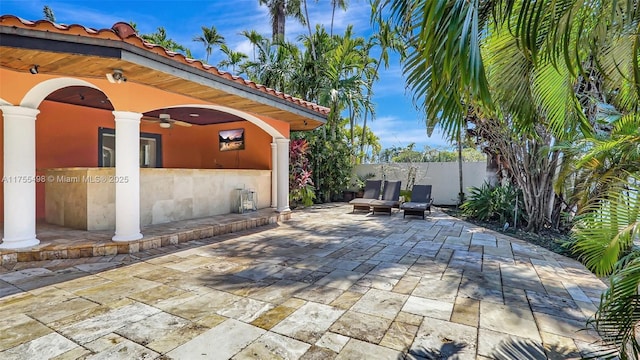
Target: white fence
column 443, row 176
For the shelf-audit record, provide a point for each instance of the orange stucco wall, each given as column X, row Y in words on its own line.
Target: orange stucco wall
column 67, row 136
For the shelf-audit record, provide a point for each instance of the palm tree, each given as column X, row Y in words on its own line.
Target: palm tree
column 160, row 38
column 48, row 14
column 234, row 58
column 210, row 38
column 278, row 11
column 342, row 4
column 254, row 38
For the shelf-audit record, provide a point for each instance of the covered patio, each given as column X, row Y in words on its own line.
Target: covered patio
column 105, row 132
column 378, row 287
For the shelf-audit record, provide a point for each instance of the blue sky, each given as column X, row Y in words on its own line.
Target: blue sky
column 397, row 122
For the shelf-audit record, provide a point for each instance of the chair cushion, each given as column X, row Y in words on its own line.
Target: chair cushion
column 413, row 206
column 384, row 203
column 361, row 201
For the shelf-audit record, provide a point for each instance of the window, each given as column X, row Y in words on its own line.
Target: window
column 150, row 149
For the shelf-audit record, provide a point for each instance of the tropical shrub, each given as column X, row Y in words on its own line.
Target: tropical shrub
column 494, row 203
column 300, row 175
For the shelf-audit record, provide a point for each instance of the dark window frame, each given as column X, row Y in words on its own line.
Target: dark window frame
column 109, row 131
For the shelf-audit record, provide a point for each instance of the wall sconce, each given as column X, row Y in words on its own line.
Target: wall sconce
column 34, row 69
column 116, row 77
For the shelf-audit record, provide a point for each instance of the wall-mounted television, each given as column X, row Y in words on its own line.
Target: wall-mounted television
column 231, row 139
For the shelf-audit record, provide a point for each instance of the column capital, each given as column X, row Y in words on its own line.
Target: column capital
column 125, row 116
column 19, row 111
column 282, row 141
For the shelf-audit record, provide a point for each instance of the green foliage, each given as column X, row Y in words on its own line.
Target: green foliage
column 300, row 181
column 494, row 203
column 408, row 154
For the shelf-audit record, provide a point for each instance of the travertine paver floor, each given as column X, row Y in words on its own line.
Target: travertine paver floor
column 326, row 284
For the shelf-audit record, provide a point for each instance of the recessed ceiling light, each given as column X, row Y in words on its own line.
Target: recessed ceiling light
column 194, row 115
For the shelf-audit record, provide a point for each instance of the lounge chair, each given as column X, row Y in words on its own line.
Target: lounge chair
column 390, row 198
column 420, row 201
column 371, row 193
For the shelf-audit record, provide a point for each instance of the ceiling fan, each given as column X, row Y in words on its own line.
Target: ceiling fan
column 165, row 121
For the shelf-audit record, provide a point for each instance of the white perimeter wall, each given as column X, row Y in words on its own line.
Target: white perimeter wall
column 443, row 176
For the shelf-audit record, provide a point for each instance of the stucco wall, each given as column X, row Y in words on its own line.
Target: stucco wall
column 443, row 176
column 84, row 198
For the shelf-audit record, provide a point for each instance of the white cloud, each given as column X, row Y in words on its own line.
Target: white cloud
column 395, row 131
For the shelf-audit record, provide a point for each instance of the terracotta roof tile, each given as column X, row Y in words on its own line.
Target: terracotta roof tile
column 122, row 31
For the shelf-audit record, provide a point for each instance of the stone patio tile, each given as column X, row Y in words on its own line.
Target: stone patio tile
column 16, row 329
column 555, row 305
column 340, row 279
column 309, row 322
column 90, row 329
column 346, row 300
column 114, row 290
column 406, row 285
column 380, row 303
column 200, row 306
column 177, row 337
column 399, row 336
column 390, row 270
column 559, row 347
column 17, row 276
column 444, row 340
column 332, row 341
column 270, row 318
column 466, row 311
column 319, row 294
column 115, row 347
column 319, row 353
column 516, row 321
column 279, row 291
column 76, row 353
column 345, row 264
column 260, row 271
column 564, row 327
column 360, row 350
column 377, row 282
column 245, row 309
column 62, row 310
column 153, row 328
column 221, row 342
column 436, row 289
column 427, row 307
column 361, row 326
column 273, row 346
column 157, row 295
column 496, row 345
column 408, row 318
column 576, row 293
column 44, row 347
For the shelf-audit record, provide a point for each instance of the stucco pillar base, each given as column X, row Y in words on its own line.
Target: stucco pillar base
column 19, row 243
column 283, row 175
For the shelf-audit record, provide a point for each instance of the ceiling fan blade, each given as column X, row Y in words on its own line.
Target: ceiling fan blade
column 149, row 119
column 182, row 123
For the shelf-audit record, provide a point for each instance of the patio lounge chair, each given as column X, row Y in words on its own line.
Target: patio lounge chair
column 390, row 198
column 420, row 201
column 371, row 193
